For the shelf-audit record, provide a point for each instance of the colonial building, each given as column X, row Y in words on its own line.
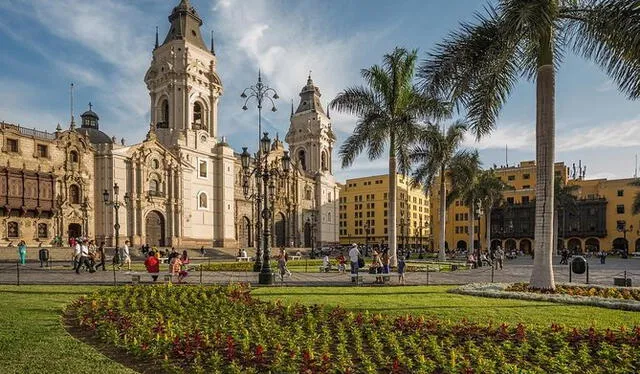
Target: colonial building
column 181, row 186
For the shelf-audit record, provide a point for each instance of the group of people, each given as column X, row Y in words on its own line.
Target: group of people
column 380, row 263
column 491, row 258
column 87, row 255
column 178, row 264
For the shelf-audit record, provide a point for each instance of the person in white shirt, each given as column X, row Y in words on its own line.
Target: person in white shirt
column 126, row 256
column 243, row 254
column 354, row 255
column 76, row 255
column 326, row 265
column 84, row 257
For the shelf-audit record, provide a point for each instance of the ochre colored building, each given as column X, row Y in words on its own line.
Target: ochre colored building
column 364, row 207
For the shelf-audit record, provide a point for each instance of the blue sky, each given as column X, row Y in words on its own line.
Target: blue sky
column 105, row 46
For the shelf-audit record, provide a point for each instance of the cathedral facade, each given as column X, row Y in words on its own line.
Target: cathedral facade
column 182, row 185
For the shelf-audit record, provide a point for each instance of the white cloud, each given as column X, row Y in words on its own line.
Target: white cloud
column 515, row 136
column 610, row 135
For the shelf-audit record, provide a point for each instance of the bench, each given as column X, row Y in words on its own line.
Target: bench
column 135, row 276
column 635, row 254
column 240, row 259
column 294, row 257
column 361, row 276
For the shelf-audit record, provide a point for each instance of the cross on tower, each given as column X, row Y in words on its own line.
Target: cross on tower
column 90, row 105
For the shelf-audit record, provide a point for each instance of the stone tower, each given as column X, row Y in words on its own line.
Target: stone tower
column 311, row 142
column 183, row 84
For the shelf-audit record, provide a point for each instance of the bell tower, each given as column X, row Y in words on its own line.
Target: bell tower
column 183, row 84
column 310, row 136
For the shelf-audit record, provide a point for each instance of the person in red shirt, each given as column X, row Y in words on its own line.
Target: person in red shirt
column 153, row 265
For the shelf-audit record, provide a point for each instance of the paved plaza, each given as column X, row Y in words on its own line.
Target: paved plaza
column 517, row 270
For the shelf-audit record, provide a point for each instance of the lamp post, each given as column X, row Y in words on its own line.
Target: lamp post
column 624, row 230
column 268, row 176
column 260, row 92
column 312, row 226
column 84, row 207
column 115, row 203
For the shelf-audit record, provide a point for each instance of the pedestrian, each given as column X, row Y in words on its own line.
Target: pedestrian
column 76, row 254
column 386, row 261
column 499, row 255
column 603, row 256
column 103, row 259
column 202, row 251
column 153, row 265
column 43, row 255
column 84, row 258
column 401, row 268
column 126, row 256
column 326, row 264
column 282, row 264
column 22, row 252
column 354, row 258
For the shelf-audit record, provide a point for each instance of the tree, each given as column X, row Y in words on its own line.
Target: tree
column 465, row 174
column 490, row 194
column 478, row 66
column 389, row 110
column 432, row 155
column 635, row 207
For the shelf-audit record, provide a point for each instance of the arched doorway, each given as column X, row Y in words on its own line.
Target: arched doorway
column 245, row 238
column 525, row 246
column 154, row 228
column 279, row 230
column 593, row 245
column 620, row 244
column 446, row 245
column 575, row 245
column 510, row 245
column 637, row 245
column 75, row 230
column 495, row 243
column 461, row 244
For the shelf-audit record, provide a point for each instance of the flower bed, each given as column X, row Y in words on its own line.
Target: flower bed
column 589, row 291
column 568, row 294
column 225, row 330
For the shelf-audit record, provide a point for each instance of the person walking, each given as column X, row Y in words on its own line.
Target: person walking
column 43, row 256
column 84, row 258
column 22, row 252
column 282, row 264
column 103, row 259
column 499, row 255
column 126, row 255
column 603, row 256
column 354, row 258
column 401, row 268
column 76, row 254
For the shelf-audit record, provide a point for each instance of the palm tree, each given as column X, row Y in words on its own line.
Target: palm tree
column 490, row 193
column 465, row 174
column 564, row 199
column 478, row 66
column 433, row 153
column 389, row 112
column 635, row 207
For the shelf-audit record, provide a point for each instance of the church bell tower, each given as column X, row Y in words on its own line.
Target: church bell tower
column 183, row 84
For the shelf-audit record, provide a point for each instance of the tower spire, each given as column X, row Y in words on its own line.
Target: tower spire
column 328, row 115
column 156, row 38
column 213, row 49
column 291, row 108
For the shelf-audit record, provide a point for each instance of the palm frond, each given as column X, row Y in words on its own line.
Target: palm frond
column 608, row 33
column 357, row 101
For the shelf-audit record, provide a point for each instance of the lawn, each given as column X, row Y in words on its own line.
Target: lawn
column 33, row 339
column 435, row 301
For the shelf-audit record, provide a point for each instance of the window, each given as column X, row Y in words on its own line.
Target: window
column 164, row 114
column 324, row 162
column 203, row 202
column 155, row 163
column 526, row 187
column 197, row 116
column 385, row 213
column 525, row 199
column 73, row 157
column 43, row 231
column 526, row 176
column 620, row 193
column 307, row 193
column 620, row 209
column 154, row 187
column 74, row 194
column 509, row 200
column 385, row 196
column 329, row 217
column 12, row 230
column 302, row 158
column 329, row 197
column 12, row 145
column 511, row 177
column 202, row 168
column 42, row 150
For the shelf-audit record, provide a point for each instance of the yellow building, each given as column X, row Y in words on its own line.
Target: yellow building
column 523, row 179
column 364, row 208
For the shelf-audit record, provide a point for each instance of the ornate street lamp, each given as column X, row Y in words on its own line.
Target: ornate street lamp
column 261, row 93
column 115, row 203
column 312, row 226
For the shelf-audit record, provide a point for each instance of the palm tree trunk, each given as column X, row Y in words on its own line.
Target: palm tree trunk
column 488, row 227
column 472, row 224
column 542, row 273
column 393, row 187
column 442, row 256
column 555, row 232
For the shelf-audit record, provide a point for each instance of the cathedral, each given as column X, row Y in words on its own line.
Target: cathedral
column 183, row 185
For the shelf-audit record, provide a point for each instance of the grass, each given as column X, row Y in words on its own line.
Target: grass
column 33, row 340
column 435, row 301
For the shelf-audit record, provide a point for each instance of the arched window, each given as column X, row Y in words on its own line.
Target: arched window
column 197, row 116
column 164, row 114
column 155, row 163
column 74, row 194
column 43, row 231
column 154, row 187
column 203, row 201
column 307, row 193
column 302, row 158
column 73, row 157
column 324, row 161
column 12, row 230
column 329, row 217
